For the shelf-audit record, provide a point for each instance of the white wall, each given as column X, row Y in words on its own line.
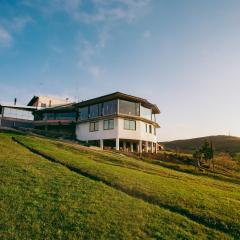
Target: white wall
column 83, row 133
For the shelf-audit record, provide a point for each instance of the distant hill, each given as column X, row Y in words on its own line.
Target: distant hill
column 221, row 143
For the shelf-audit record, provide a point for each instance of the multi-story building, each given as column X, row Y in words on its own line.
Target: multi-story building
column 120, row 121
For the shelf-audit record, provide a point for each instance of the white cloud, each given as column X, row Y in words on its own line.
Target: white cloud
column 96, row 71
column 147, row 34
column 19, row 23
column 8, row 28
column 101, row 10
column 105, row 14
column 5, row 37
column 56, row 49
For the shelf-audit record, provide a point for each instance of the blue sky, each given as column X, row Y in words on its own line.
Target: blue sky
column 183, row 55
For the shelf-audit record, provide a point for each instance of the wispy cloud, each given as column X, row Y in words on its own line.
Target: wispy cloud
column 101, row 10
column 19, row 23
column 5, row 37
column 10, row 27
column 147, row 34
column 104, row 15
column 96, row 71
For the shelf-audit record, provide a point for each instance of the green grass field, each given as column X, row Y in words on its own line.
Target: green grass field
column 71, row 192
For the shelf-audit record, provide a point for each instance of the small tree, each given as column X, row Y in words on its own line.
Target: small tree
column 197, row 156
column 205, row 152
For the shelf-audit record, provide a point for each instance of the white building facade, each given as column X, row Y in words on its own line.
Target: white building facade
column 118, row 121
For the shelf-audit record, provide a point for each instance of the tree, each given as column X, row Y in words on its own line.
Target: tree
column 197, row 156
column 205, row 152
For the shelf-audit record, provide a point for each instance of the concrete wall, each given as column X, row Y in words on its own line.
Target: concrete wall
column 83, row 133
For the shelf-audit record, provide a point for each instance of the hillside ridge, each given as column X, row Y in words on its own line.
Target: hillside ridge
column 222, row 143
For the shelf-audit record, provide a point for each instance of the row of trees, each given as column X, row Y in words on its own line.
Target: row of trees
column 204, row 154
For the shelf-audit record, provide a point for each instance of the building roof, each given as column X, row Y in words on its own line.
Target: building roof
column 18, row 106
column 47, row 98
column 122, row 96
column 109, row 97
column 60, row 108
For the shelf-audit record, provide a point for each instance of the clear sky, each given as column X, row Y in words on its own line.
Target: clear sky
column 183, row 55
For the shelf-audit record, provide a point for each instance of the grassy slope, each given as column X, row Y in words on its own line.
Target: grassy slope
column 207, row 201
column 221, row 143
column 43, row 200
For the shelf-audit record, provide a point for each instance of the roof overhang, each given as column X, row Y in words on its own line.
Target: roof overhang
column 18, row 107
column 123, row 96
column 60, row 108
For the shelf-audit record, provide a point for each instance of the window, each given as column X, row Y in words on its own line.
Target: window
column 146, row 113
column 48, row 116
column 146, row 128
column 154, row 117
column 43, row 105
column 94, row 126
column 129, row 108
column 155, row 132
column 95, row 110
column 17, row 113
column 110, row 108
column 150, row 128
column 108, row 124
column 66, row 116
column 83, row 113
column 129, row 124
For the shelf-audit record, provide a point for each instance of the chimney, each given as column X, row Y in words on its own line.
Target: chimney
column 15, row 101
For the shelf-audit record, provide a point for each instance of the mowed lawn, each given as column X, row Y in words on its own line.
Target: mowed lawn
column 106, row 196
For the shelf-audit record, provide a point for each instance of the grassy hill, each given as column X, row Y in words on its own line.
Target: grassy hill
column 57, row 190
column 221, row 143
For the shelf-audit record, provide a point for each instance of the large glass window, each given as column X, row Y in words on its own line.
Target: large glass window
column 94, row 126
column 48, row 116
column 146, row 113
column 95, row 110
column 83, row 113
column 17, row 113
column 129, row 124
column 66, row 116
column 110, row 107
column 154, row 117
column 128, row 108
column 108, row 124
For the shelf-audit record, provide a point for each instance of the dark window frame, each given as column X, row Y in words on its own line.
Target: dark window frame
column 129, row 125
column 150, row 129
column 95, row 126
column 108, row 124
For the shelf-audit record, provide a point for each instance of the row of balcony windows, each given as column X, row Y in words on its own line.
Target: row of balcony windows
column 102, row 109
